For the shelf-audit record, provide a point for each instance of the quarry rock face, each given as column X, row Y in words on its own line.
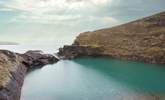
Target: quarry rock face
column 13, row 68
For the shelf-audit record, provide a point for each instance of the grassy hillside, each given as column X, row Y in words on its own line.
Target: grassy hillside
column 144, row 38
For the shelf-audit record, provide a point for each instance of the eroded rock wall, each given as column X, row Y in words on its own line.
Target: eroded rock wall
column 13, row 68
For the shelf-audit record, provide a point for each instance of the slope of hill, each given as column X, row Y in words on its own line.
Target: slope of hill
column 142, row 40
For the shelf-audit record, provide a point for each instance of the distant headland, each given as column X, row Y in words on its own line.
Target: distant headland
column 8, row 43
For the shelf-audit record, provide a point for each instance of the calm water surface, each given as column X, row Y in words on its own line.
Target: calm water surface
column 94, row 79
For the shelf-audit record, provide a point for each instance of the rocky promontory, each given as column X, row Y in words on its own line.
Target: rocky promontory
column 140, row 40
column 13, row 68
column 73, row 51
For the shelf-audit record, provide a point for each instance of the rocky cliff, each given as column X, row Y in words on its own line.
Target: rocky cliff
column 13, row 67
column 141, row 40
column 73, row 51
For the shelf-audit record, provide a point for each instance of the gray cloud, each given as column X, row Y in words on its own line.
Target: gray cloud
column 75, row 0
column 27, row 18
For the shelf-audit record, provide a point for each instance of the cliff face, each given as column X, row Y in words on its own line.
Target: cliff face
column 70, row 52
column 142, row 40
column 13, row 67
column 12, row 73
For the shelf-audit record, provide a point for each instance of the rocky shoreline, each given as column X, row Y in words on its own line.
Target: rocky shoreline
column 74, row 51
column 13, row 68
column 77, row 51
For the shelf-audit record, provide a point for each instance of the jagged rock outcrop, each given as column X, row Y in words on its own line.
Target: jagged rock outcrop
column 13, row 67
column 141, row 40
column 37, row 58
column 73, row 51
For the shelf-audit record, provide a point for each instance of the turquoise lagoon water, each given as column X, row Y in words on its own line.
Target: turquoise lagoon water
column 93, row 79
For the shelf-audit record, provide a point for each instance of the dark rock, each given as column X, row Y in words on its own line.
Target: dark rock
column 73, row 51
column 36, row 58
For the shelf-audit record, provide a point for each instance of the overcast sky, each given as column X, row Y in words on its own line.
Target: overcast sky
column 59, row 21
